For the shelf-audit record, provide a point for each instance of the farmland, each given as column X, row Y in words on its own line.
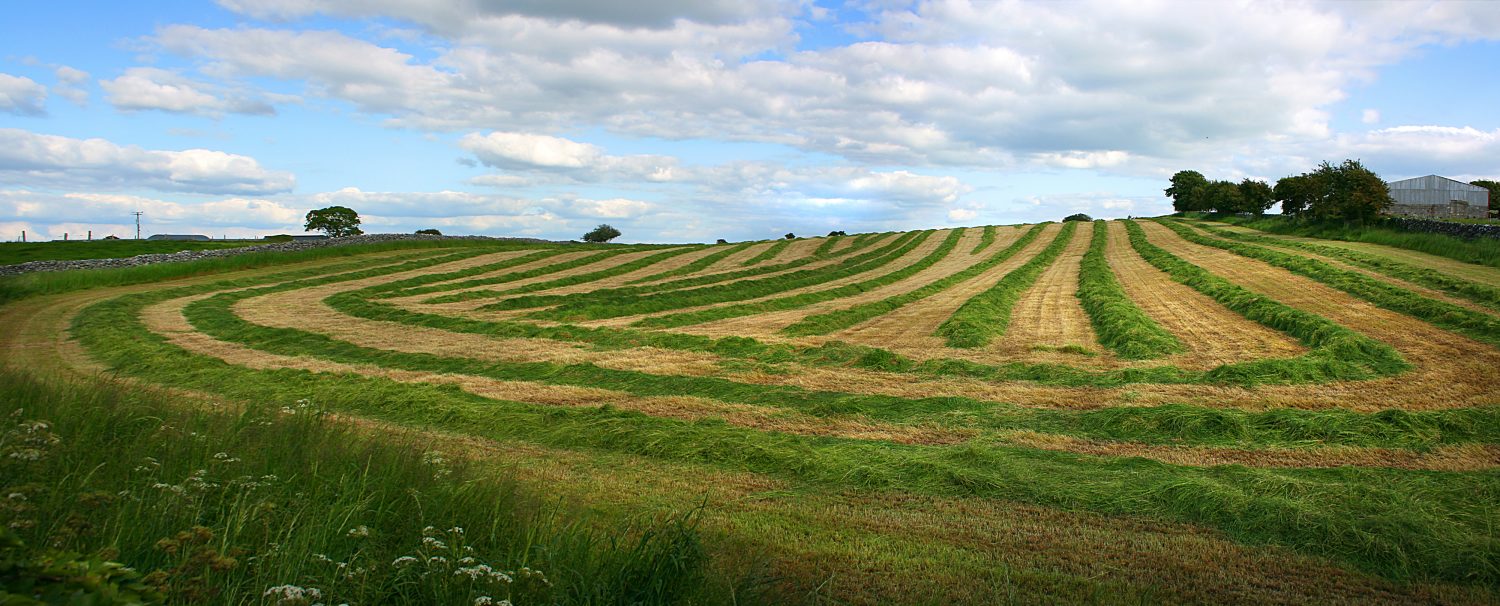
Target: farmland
column 1146, row 411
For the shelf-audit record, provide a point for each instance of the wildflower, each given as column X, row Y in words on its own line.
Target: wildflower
column 432, row 543
column 292, row 594
column 467, row 561
column 223, row 457
column 437, row 560
column 359, row 532
column 484, row 600
column 403, row 561
column 458, row 530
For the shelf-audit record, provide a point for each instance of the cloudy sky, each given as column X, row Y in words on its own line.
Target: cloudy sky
column 682, row 120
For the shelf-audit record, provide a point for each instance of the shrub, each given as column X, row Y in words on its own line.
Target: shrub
column 790, row 236
column 603, row 233
column 1077, row 217
column 429, row 232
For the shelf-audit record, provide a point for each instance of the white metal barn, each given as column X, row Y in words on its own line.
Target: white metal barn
column 1439, row 197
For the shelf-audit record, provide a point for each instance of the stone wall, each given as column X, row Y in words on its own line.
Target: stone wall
column 194, row 255
column 1437, row 211
column 1449, row 228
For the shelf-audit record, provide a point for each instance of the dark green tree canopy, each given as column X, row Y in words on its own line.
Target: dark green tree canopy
column 336, row 221
column 1186, row 191
column 791, row 236
column 1494, row 187
column 603, row 233
column 1078, row 217
column 429, row 232
column 1255, row 197
column 1347, row 192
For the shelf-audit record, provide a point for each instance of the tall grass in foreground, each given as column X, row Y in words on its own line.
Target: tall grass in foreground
column 1119, row 324
column 987, row 314
column 1484, row 251
column 276, row 503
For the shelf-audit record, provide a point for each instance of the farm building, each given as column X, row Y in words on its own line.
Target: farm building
column 188, row 237
column 1438, row 197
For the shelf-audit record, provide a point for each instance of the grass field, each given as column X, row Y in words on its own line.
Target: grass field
column 1151, row 411
column 21, row 252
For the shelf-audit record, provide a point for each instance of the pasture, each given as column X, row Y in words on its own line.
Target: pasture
column 1149, row 411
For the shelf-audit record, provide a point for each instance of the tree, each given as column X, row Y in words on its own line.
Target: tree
column 429, row 232
column 1494, row 188
column 603, row 233
column 1348, row 192
column 790, row 236
column 1255, row 197
column 837, row 232
column 1187, row 191
column 722, row 241
column 336, row 221
column 1077, row 217
column 1295, row 194
column 1220, row 197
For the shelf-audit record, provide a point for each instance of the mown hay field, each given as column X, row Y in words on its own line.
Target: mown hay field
column 1149, row 411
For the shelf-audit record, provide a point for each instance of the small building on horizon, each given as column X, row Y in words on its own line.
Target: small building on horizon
column 1434, row 197
column 180, row 237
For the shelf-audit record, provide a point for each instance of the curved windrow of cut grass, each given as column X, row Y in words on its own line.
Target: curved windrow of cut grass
column 1121, row 326
column 804, row 299
column 1482, row 251
column 1473, row 324
column 824, row 323
column 695, row 266
column 623, row 268
column 986, row 315
column 1482, row 294
column 985, row 240
column 769, row 253
column 1394, row 523
column 628, row 305
column 1334, row 347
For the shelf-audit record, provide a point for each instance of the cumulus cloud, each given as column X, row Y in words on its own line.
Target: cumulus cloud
column 451, row 16
column 51, row 161
column 545, row 153
column 149, row 88
column 105, row 210
column 70, row 83
column 22, row 96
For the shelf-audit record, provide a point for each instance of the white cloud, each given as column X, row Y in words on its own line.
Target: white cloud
column 70, row 82
column 22, row 96
column 454, row 15
column 85, row 209
column 149, row 88
column 49, row 160
column 1370, row 116
column 613, row 208
column 1409, row 151
column 520, row 150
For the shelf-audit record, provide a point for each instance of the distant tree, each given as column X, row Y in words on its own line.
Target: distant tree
column 790, row 236
column 1255, row 197
column 836, row 233
column 1220, row 197
column 1295, row 194
column 1494, row 187
column 1077, row 217
column 429, row 232
column 603, row 233
column 1348, row 192
column 1186, row 191
column 722, row 241
column 336, row 221
column 111, row 237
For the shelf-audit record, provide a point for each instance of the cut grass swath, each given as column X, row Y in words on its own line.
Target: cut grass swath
column 986, row 315
column 769, row 253
column 985, row 240
column 1120, row 325
column 695, row 266
column 1482, row 251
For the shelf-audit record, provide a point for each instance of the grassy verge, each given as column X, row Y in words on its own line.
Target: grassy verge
column 1399, row 524
column 1482, row 294
column 276, row 501
column 987, row 314
column 1484, row 251
column 603, row 305
column 804, row 299
column 1337, row 352
column 695, row 266
column 1473, row 324
column 1119, row 324
column 824, row 323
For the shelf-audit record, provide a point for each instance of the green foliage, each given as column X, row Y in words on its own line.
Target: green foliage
column 1256, row 197
column 1119, row 324
column 336, row 221
column 1295, row 194
column 986, row 315
column 985, row 240
column 1186, row 191
column 1494, row 187
column 790, row 236
column 39, row 577
column 429, row 232
column 1077, row 217
column 695, row 266
column 768, row 254
column 72, row 250
column 837, row 232
column 601, row 234
column 1347, row 192
column 1482, row 251
column 824, row 323
column 1477, row 325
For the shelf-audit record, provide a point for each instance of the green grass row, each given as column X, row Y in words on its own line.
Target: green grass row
column 986, row 315
column 986, row 239
column 593, row 276
column 509, row 277
column 1482, row 294
column 769, row 253
column 804, row 299
column 75, row 250
column 1483, row 251
column 605, row 304
column 217, row 506
column 827, row 245
column 695, row 266
column 1336, row 352
column 824, row 323
column 1395, row 523
column 1473, row 324
column 1119, row 324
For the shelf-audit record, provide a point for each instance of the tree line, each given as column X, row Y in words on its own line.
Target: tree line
column 1344, row 192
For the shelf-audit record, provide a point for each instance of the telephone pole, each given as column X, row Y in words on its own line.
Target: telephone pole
column 137, row 223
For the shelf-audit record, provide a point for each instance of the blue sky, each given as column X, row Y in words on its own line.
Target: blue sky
column 678, row 120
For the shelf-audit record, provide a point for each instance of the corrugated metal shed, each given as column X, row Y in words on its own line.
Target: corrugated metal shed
column 190, row 237
column 1435, row 190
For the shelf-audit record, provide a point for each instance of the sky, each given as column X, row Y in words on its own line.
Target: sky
column 689, row 121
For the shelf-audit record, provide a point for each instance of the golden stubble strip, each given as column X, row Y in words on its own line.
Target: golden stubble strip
column 1212, row 334
column 912, row 256
column 1452, row 370
column 767, row 325
column 1466, row 457
column 603, row 264
column 909, row 330
column 1482, row 274
column 1048, row 315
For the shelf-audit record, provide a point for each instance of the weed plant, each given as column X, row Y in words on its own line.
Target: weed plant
column 1119, row 324
column 987, row 314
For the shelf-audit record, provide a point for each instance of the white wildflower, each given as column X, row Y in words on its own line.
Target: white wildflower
column 292, row 594
column 403, row 561
column 359, row 532
column 432, row 543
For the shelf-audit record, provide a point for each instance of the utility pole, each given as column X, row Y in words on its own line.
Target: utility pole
column 137, row 223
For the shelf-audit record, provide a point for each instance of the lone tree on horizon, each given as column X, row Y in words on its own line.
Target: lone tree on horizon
column 336, row 221
column 603, row 233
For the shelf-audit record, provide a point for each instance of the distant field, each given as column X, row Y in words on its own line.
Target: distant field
column 1150, row 411
column 21, row 252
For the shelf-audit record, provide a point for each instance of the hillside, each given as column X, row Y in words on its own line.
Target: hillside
column 1129, row 411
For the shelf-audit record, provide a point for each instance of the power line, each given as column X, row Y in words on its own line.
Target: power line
column 137, row 223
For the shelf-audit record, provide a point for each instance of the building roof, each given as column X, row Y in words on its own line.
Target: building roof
column 179, row 237
column 1434, row 182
